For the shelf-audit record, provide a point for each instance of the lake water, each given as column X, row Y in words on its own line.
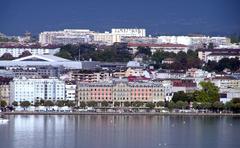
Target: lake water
column 95, row 131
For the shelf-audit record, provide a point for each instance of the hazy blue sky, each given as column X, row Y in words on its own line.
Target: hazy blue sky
column 157, row 16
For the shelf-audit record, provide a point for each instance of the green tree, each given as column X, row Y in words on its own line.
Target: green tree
column 137, row 104
column 181, row 105
column 218, row 106
column 211, row 66
column 160, row 104
column 104, row 104
column 60, row 103
column 48, row 103
column 235, row 100
column 192, row 59
column 37, row 103
column 180, row 96
column 171, row 105
column 229, row 106
column 230, row 63
column 83, row 104
column 25, row 104
column 127, row 104
column 236, row 107
column 64, row 54
column 158, row 56
column 70, row 103
column 208, row 93
column 3, row 103
column 42, row 101
column 206, row 105
column 150, row 105
column 113, row 53
column 196, row 105
column 144, row 50
column 92, row 104
column 15, row 103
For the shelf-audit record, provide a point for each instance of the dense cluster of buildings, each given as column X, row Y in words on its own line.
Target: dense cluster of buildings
column 126, row 35
column 75, row 36
column 43, row 76
column 132, row 82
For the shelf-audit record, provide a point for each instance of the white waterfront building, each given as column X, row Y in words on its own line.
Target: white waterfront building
column 22, row 89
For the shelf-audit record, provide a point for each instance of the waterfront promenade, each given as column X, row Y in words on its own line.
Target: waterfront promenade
column 116, row 113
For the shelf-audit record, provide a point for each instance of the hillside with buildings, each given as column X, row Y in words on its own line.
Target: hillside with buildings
column 124, row 68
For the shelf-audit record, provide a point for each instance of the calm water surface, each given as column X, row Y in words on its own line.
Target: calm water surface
column 76, row 131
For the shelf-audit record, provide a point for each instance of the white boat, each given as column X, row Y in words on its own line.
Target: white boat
column 3, row 121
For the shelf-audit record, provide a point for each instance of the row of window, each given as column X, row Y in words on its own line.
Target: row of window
column 109, row 98
column 121, row 89
column 120, row 94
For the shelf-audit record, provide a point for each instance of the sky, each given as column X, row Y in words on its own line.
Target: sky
column 159, row 17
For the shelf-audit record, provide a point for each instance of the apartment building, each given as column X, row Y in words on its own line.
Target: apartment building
column 36, row 71
column 90, row 76
column 194, row 40
column 229, row 94
column 67, row 36
column 119, row 33
column 5, row 88
column 225, row 82
column 120, row 91
column 23, row 89
column 217, row 54
column 169, row 47
column 17, row 50
column 103, row 38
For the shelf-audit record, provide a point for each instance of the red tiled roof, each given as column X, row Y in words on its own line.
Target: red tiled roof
column 183, row 83
column 156, row 45
column 135, row 78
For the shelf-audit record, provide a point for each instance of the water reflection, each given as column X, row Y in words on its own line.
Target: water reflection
column 94, row 131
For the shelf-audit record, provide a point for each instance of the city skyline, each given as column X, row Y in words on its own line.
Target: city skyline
column 216, row 17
